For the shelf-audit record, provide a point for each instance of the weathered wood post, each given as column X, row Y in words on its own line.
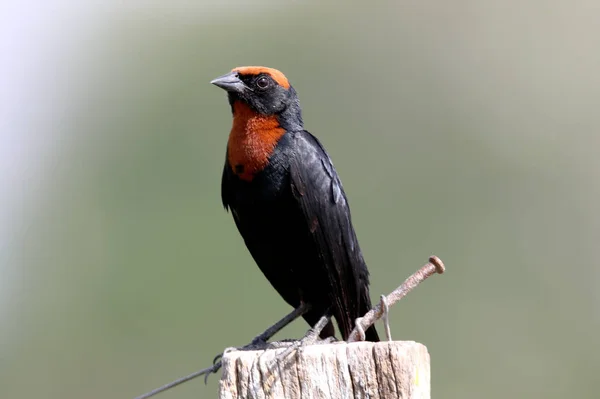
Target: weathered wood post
column 382, row 370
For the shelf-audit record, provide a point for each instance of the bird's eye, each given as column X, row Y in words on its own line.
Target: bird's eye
column 262, row 82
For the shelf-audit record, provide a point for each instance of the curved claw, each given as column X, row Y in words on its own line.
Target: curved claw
column 216, row 366
column 217, row 358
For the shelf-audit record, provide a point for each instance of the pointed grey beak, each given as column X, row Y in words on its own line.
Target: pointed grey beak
column 229, row 82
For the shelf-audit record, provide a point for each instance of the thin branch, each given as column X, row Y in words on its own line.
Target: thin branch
column 434, row 266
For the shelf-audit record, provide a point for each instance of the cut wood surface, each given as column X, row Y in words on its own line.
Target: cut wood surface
column 397, row 369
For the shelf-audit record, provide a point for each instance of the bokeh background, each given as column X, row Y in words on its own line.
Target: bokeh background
column 465, row 129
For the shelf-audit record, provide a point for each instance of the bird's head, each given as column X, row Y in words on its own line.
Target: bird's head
column 265, row 90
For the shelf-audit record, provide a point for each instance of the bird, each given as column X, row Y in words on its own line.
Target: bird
column 289, row 205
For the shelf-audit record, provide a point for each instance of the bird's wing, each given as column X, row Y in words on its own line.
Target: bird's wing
column 319, row 193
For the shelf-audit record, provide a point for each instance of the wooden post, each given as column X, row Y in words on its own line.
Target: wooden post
column 382, row 370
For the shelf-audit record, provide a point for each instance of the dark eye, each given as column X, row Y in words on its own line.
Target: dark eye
column 262, row 82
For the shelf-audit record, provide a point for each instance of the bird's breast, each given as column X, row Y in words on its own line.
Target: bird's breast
column 252, row 141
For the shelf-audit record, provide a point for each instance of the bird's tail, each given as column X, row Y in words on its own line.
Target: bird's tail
column 371, row 334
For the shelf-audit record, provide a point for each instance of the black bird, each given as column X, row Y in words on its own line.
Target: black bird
column 288, row 203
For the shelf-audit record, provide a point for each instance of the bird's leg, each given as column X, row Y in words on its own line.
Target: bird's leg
column 260, row 341
column 275, row 328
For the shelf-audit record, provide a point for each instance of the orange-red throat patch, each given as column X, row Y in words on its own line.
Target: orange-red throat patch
column 277, row 76
column 252, row 139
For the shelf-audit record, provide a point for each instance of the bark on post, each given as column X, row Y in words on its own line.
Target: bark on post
column 382, row 370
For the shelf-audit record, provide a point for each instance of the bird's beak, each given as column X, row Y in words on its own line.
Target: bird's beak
column 229, row 82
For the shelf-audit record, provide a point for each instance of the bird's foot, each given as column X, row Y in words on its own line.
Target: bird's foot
column 216, row 366
column 310, row 338
column 291, row 345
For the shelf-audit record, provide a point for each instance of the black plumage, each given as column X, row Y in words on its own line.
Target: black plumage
column 292, row 212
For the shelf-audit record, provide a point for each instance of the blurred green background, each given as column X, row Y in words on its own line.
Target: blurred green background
column 465, row 129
